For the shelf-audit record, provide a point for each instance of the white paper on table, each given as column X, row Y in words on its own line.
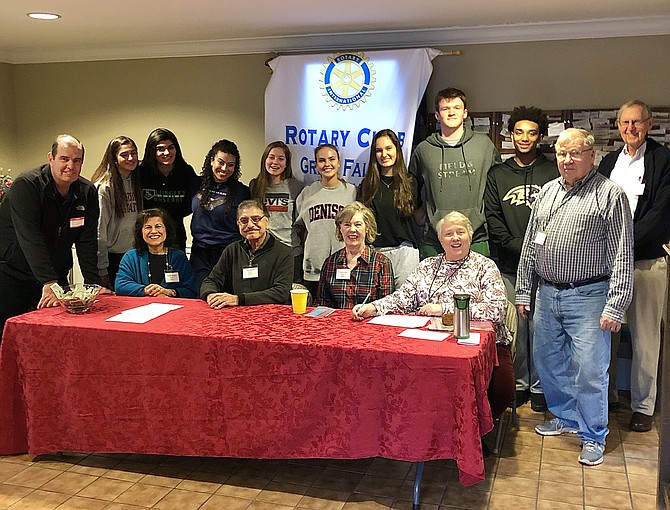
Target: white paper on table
column 142, row 314
column 423, row 334
column 473, row 340
column 403, row 321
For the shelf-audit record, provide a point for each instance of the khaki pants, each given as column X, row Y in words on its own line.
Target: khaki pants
column 644, row 320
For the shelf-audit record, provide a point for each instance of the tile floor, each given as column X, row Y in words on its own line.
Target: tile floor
column 531, row 472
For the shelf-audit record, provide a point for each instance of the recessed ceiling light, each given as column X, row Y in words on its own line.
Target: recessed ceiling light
column 43, row 15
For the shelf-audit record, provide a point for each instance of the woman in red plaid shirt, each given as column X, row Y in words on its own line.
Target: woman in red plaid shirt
column 356, row 273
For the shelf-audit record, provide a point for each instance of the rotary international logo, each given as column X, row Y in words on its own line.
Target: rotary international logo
column 347, row 79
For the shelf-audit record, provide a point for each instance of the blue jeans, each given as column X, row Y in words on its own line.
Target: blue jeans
column 572, row 355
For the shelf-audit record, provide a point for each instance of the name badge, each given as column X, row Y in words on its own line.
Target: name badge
column 249, row 272
column 343, row 274
column 171, row 277
column 540, row 238
column 76, row 222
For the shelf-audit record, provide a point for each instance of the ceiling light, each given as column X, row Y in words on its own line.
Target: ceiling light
column 43, row 15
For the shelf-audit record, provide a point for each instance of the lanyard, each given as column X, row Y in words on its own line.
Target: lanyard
column 447, row 279
column 552, row 210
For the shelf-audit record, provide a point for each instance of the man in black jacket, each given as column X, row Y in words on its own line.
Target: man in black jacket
column 642, row 169
column 45, row 212
column 511, row 188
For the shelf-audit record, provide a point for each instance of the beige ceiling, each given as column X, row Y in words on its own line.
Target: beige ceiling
column 120, row 29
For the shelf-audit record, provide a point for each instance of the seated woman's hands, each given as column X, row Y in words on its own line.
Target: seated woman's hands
column 433, row 309
column 155, row 290
column 361, row 312
column 222, row 299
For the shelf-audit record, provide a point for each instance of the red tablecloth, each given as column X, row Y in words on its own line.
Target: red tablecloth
column 256, row 382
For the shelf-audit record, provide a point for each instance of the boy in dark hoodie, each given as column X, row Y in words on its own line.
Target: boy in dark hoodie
column 511, row 188
column 450, row 168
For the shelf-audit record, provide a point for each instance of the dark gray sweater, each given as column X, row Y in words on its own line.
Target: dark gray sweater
column 275, row 273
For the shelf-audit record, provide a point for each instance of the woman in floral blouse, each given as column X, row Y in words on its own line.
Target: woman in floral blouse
column 430, row 290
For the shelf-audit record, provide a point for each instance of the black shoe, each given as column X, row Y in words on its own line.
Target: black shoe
column 640, row 422
column 538, row 402
column 522, row 397
column 613, row 406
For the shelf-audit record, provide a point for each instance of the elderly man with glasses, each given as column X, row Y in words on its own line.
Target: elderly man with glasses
column 579, row 242
column 642, row 169
column 256, row 270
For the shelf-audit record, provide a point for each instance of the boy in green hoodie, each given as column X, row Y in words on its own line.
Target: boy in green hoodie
column 451, row 168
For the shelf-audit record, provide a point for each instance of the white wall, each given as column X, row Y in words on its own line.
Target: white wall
column 7, row 118
column 203, row 99
column 557, row 75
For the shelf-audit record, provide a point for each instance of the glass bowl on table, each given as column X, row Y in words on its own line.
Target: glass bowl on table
column 444, row 322
column 79, row 298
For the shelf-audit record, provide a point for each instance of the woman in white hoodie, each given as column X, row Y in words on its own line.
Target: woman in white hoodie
column 316, row 207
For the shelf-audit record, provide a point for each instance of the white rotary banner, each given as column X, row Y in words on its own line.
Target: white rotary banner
column 344, row 99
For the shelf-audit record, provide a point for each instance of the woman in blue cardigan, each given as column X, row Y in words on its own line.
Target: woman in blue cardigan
column 153, row 268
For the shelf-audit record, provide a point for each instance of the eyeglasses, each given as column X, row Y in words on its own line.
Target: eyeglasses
column 575, row 154
column 629, row 123
column 244, row 220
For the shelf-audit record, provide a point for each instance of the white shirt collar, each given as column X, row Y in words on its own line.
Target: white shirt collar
column 639, row 153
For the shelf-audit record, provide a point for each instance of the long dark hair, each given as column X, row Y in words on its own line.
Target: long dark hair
column 263, row 178
column 148, row 163
column 108, row 173
column 208, row 182
column 403, row 201
column 143, row 217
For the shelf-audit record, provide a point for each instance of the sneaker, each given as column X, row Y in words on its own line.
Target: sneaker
column 538, row 402
column 592, row 453
column 554, row 427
